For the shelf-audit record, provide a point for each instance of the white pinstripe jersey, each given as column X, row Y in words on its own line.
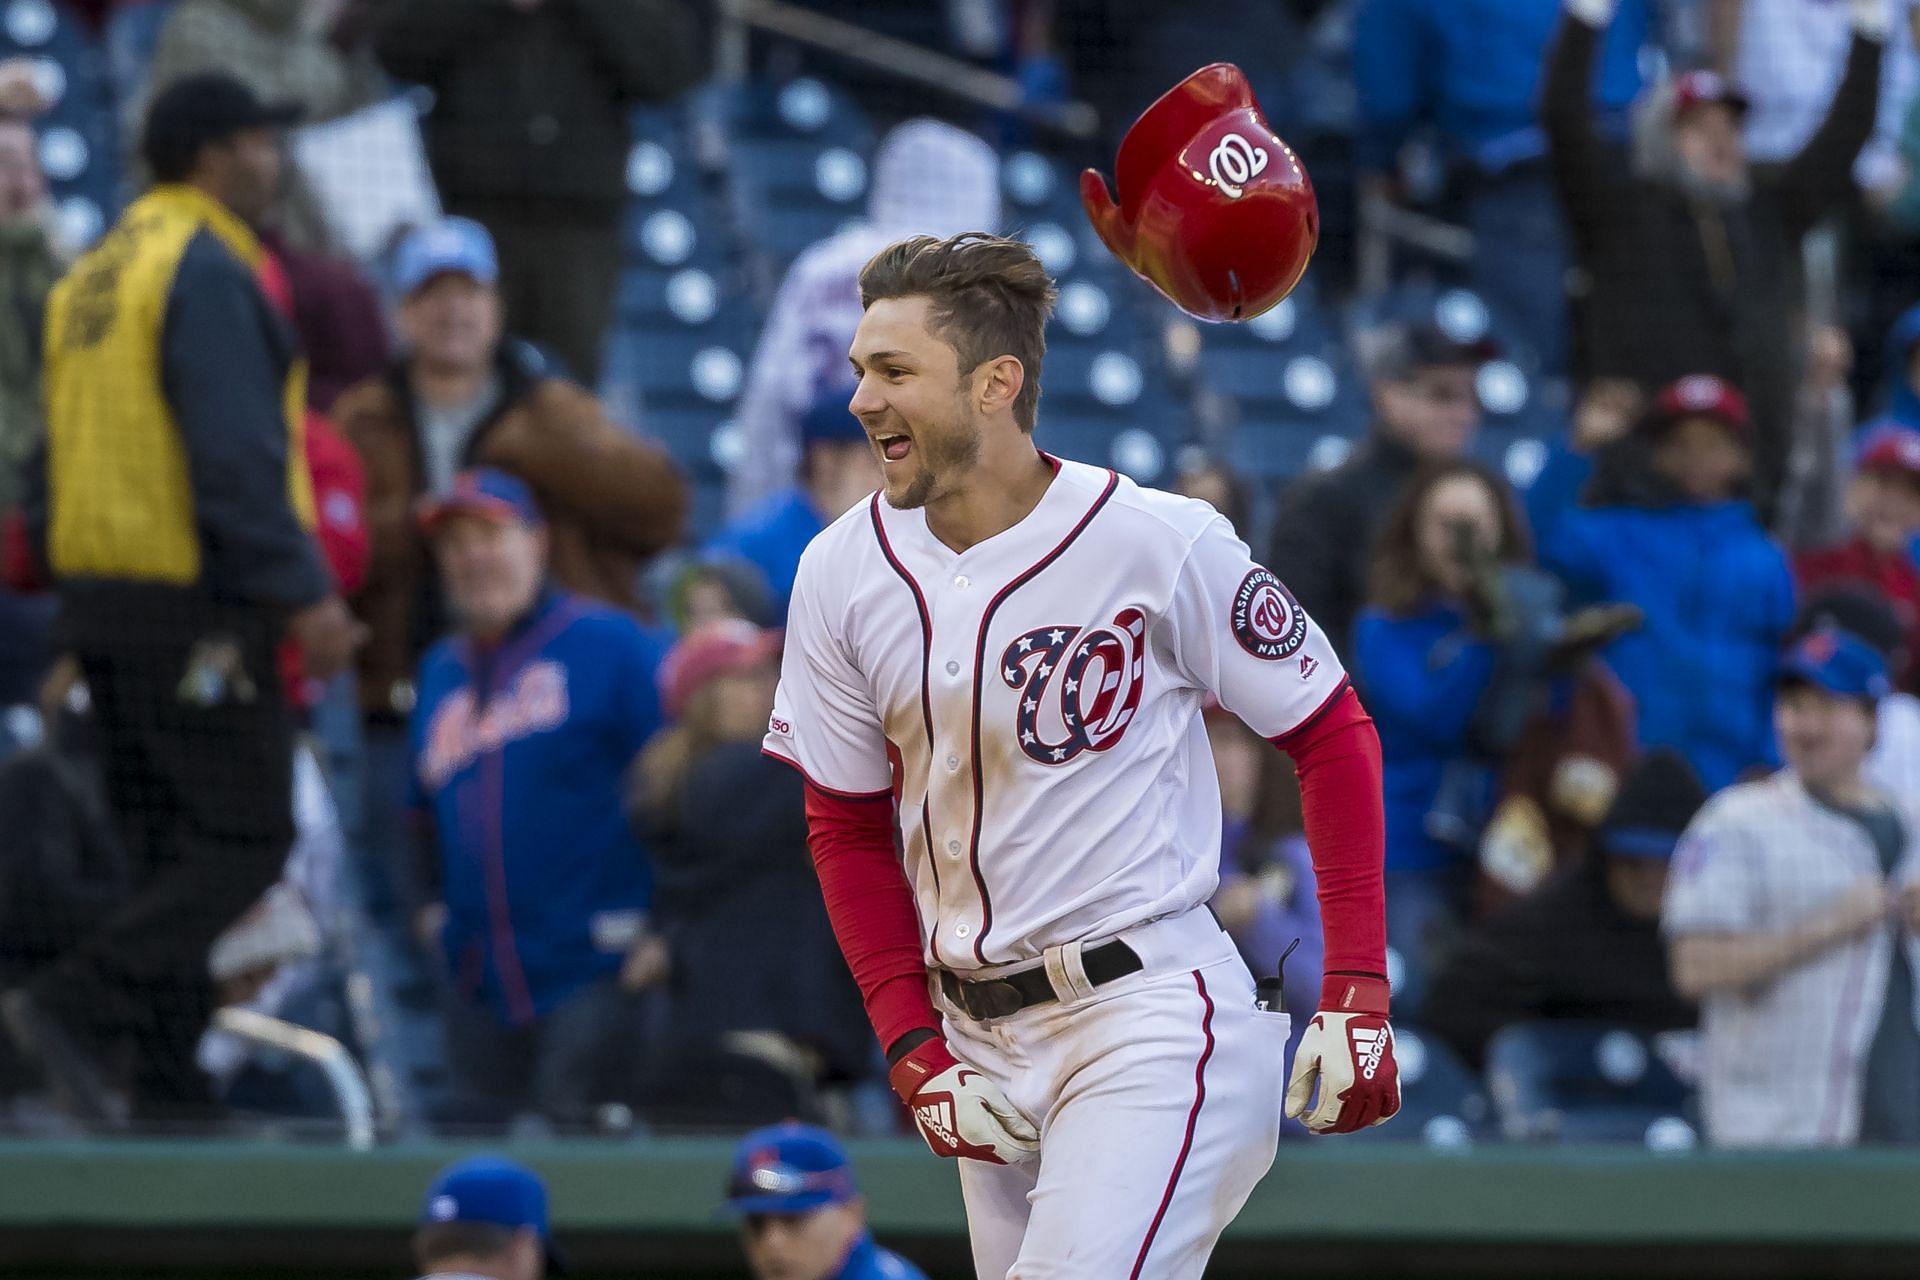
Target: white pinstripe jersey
column 1782, row 1064
column 1038, row 699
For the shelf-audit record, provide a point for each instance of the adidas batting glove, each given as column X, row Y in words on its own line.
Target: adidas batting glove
column 1347, row 1050
column 961, row 1113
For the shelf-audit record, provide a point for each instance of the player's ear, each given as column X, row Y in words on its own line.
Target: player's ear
column 997, row 384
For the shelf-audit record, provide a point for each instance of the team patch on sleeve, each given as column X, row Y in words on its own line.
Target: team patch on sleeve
column 1267, row 621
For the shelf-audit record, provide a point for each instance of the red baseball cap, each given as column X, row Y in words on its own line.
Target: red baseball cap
column 1890, row 447
column 486, row 492
column 715, row 649
column 1702, row 395
column 1693, row 88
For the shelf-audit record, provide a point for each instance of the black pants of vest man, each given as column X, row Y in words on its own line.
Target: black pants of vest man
column 197, row 745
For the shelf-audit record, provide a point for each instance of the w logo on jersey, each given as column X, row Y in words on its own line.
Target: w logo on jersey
column 1099, row 674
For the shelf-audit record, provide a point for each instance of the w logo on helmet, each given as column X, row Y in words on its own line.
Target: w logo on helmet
column 1099, row 674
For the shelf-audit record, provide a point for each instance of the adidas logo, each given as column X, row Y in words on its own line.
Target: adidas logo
column 937, row 1119
column 1369, row 1046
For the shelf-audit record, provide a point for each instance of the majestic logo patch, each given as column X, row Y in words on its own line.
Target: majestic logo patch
column 1100, row 678
column 1308, row 665
column 1267, row 621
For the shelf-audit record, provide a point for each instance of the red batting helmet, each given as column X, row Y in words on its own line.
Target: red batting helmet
column 1215, row 211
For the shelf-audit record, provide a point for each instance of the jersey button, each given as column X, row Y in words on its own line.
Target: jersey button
column 953, row 764
column 961, row 930
column 953, row 668
column 953, row 847
column 963, row 582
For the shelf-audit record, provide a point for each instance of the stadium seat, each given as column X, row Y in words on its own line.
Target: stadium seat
column 1264, row 450
column 1133, row 444
column 1580, row 1081
column 79, row 140
column 803, row 107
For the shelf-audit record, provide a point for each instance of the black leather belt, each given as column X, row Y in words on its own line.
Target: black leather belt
column 985, row 998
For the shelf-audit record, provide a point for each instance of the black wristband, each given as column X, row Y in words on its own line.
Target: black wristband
column 907, row 1043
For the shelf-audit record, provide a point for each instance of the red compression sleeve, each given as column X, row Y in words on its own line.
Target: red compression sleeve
column 871, row 907
column 1337, row 755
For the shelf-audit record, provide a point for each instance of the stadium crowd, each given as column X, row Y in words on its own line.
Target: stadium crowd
column 368, row 613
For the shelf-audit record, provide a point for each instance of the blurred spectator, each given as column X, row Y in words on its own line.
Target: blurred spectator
column 1603, row 414
column 1883, row 510
column 929, row 178
column 1453, row 654
column 1688, row 260
column 1268, row 896
column 30, row 261
column 1893, row 764
column 1903, row 369
column 529, row 718
column 459, row 395
column 485, row 1219
column 1811, row 508
column 292, row 50
column 1473, row 71
column 709, row 588
column 170, row 497
column 1585, row 944
column 1790, row 56
column 801, row 1217
column 338, row 317
column 1424, row 407
column 541, row 158
column 1794, row 918
column 838, row 470
column 747, row 944
column 1214, row 484
column 1714, row 587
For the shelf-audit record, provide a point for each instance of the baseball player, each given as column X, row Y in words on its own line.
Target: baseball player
column 801, row 1217
column 1000, row 661
column 485, row 1218
column 1793, row 912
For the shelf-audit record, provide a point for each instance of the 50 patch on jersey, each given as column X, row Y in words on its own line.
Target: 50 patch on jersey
column 1267, row 621
column 1085, row 682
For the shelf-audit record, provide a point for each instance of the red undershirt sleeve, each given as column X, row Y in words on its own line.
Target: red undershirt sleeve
column 871, row 906
column 1337, row 755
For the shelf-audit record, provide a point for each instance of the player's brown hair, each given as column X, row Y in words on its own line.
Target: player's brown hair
column 991, row 297
column 1398, row 582
column 439, row 1242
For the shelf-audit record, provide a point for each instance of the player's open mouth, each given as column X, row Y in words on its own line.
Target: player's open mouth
column 894, row 448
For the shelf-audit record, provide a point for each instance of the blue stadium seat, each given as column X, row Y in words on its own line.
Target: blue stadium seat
column 1133, row 443
column 1460, row 313
column 1442, row 1102
column 804, row 107
column 1580, row 1080
column 79, row 144
column 1282, row 450
column 1298, row 386
column 1096, row 377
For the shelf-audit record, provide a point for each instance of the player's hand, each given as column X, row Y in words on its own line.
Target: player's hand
column 1347, row 1050
column 961, row 1113
column 1867, row 904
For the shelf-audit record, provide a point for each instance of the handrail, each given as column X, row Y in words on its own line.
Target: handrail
column 323, row 1051
column 897, row 57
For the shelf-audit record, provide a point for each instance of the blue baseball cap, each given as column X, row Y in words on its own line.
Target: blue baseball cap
column 1838, row 662
column 789, row 1169
column 451, row 244
column 829, row 421
column 486, row 492
column 496, row 1193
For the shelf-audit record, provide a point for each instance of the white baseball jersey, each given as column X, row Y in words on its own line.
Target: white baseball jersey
column 1782, row 1064
column 1034, row 703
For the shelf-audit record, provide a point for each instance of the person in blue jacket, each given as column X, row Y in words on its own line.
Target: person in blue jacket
column 837, row 469
column 528, row 720
column 1426, row 666
column 1677, row 540
column 801, row 1216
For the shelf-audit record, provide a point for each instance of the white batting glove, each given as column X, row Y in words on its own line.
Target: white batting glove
column 1873, row 19
column 962, row 1114
column 1347, row 1050
column 1595, row 13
